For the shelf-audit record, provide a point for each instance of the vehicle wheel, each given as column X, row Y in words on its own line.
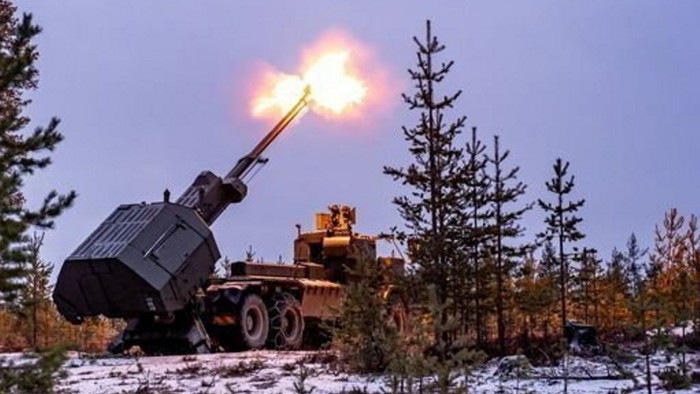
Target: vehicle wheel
column 253, row 322
column 286, row 322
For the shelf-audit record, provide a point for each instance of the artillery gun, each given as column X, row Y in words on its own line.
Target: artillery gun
column 152, row 264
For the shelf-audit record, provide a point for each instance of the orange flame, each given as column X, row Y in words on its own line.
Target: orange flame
column 331, row 73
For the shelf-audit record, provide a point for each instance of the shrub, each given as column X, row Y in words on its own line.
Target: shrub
column 673, row 379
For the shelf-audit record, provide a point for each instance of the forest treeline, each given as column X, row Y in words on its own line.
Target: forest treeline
column 463, row 226
column 463, row 220
column 476, row 286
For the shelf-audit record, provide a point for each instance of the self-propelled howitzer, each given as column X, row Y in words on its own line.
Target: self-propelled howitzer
column 145, row 262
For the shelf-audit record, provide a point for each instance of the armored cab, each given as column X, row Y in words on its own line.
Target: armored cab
column 275, row 304
column 337, row 248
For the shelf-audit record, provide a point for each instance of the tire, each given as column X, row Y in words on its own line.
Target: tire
column 286, row 322
column 253, row 322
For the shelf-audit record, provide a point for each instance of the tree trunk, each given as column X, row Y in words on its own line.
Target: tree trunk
column 562, row 271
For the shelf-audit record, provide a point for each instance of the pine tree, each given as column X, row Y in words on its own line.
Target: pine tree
column 449, row 363
column 671, row 287
column 615, row 293
column 364, row 334
column 223, row 267
column 432, row 210
column 654, row 289
column 477, row 233
column 506, row 228
column 635, row 270
column 21, row 153
column 639, row 303
column 547, row 284
column 527, row 296
column 35, row 297
column 586, row 286
column 423, row 364
column 562, row 225
column 666, row 266
column 692, row 237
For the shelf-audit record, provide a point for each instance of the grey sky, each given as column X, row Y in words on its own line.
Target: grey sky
column 151, row 93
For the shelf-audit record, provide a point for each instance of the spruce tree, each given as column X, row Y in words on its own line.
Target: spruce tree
column 21, row 152
column 505, row 191
column 432, row 209
column 562, row 225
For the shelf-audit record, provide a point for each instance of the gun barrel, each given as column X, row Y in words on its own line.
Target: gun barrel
column 246, row 163
column 210, row 194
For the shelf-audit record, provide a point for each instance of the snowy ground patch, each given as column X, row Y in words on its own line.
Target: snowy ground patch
column 246, row 372
column 277, row 372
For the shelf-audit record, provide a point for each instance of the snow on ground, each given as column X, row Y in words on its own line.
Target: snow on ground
column 685, row 328
column 277, row 372
column 246, row 372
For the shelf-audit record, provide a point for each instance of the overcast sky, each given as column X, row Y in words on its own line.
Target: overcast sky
column 152, row 92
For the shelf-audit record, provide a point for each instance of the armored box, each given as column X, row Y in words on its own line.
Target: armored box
column 144, row 258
